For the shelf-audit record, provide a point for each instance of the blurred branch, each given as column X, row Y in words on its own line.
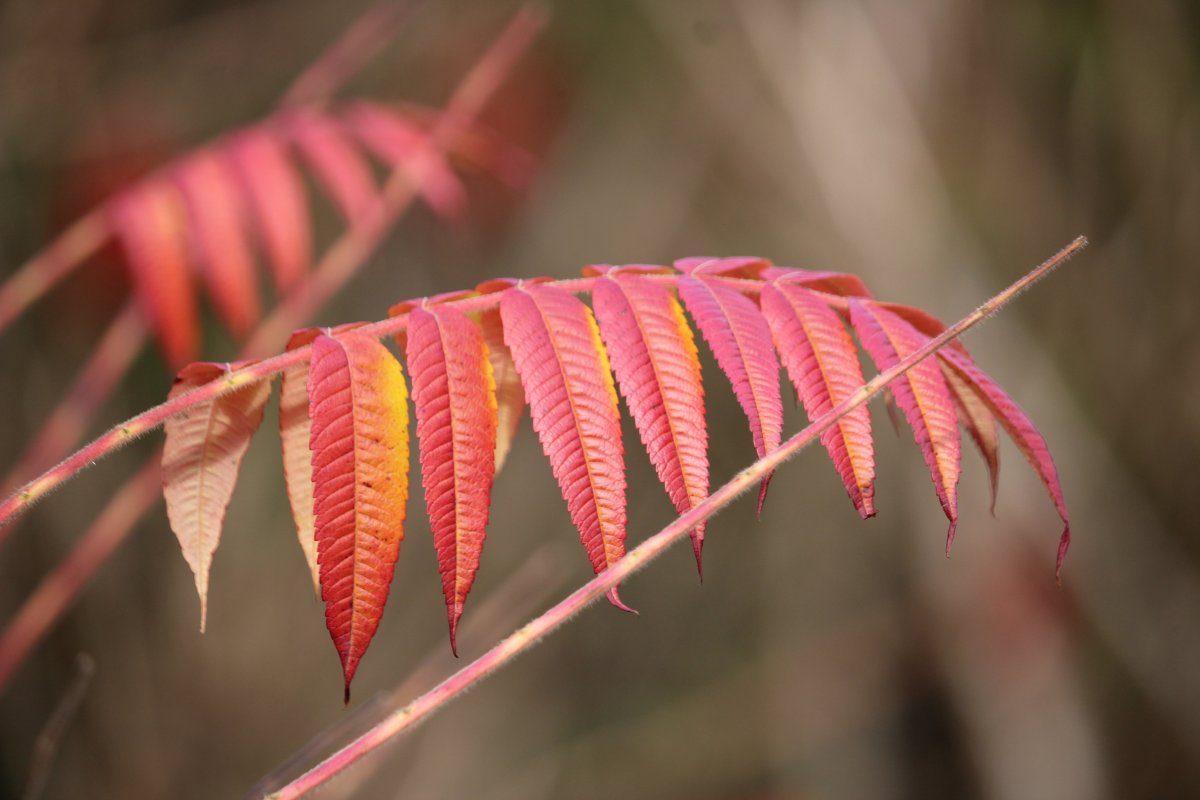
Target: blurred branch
column 339, row 264
column 52, row 734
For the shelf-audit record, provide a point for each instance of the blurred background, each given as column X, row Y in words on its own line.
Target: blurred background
column 937, row 149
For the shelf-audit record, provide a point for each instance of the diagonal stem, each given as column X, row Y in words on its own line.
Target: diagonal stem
column 529, row 634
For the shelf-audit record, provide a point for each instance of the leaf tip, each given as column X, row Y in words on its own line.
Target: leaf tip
column 615, row 599
column 762, row 492
column 1063, row 544
column 950, row 533
column 698, row 550
column 346, row 695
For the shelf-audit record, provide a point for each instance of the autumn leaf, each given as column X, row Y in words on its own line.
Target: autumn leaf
column 203, row 452
column 358, row 407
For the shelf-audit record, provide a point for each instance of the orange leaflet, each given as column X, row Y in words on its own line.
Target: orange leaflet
column 148, row 220
column 922, row 394
column 658, row 369
column 216, row 210
column 455, row 400
column 740, row 339
column 202, row 455
column 568, row 382
column 823, row 364
column 358, row 407
column 276, row 194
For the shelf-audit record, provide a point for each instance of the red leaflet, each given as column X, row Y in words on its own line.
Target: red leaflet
column 979, row 423
column 568, row 382
column 276, row 194
column 218, row 237
column 1022, row 431
column 740, row 339
column 973, row 413
column 823, row 364
column 658, row 369
column 729, row 267
column 295, row 431
column 510, row 397
column 358, row 404
column 148, row 220
column 922, row 394
column 401, row 144
column 201, row 458
column 835, row 283
column 335, row 161
column 455, row 400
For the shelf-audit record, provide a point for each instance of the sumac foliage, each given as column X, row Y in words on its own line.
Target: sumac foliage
column 344, row 413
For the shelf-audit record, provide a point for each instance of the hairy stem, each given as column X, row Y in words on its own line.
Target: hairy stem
column 105, row 367
column 527, row 635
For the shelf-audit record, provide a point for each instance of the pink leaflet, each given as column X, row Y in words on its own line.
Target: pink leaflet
column 740, row 339
column 822, row 362
column 655, row 358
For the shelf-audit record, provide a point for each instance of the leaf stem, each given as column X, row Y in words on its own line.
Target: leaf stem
column 527, row 635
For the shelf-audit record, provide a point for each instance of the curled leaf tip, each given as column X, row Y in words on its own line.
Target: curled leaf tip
column 762, row 493
column 953, row 529
column 346, row 696
column 698, row 550
column 614, row 598
column 1063, row 544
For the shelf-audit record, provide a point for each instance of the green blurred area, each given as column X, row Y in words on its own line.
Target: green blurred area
column 937, row 149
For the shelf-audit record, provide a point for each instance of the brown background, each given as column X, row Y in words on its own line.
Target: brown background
column 938, row 149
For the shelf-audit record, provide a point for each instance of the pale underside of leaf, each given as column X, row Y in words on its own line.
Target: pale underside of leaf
column 510, row 395
column 923, row 396
column 294, row 432
column 822, row 362
column 358, row 407
column 568, row 384
column 203, row 452
column 455, row 402
column 738, row 335
column 654, row 355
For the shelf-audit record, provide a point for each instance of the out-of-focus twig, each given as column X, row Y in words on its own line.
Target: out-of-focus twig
column 51, row 736
column 353, row 50
column 105, row 367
